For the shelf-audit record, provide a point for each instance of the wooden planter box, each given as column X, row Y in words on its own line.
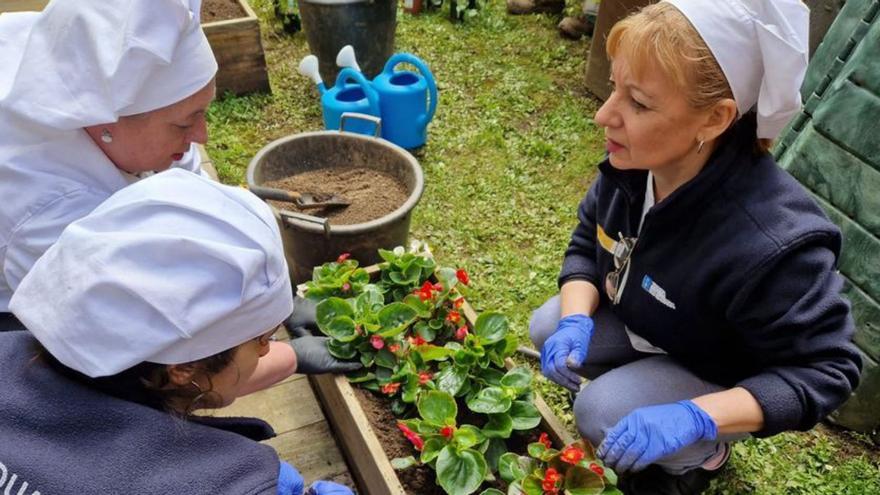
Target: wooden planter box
column 236, row 44
column 366, row 459
column 239, row 51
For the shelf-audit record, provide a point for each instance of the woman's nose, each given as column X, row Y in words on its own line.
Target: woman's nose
column 607, row 116
column 199, row 132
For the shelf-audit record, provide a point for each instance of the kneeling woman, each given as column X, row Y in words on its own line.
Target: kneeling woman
column 159, row 303
column 699, row 289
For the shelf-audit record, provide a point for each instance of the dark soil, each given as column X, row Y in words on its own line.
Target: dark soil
column 221, row 10
column 372, row 194
column 421, row 480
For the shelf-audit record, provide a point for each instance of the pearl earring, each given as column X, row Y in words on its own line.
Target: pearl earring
column 106, row 136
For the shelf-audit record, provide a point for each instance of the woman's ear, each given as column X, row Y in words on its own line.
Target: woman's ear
column 719, row 118
column 181, row 374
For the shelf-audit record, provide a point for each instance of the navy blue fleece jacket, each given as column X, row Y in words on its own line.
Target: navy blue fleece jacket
column 747, row 262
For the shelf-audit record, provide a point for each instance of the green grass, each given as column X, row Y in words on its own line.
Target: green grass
column 510, row 153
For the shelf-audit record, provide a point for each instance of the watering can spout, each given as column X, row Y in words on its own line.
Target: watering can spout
column 346, row 58
column 309, row 68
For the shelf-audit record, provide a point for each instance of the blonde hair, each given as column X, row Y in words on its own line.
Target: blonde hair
column 660, row 34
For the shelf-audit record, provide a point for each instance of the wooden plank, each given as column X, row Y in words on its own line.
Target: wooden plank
column 369, row 465
column 313, row 451
column 286, row 406
column 22, row 5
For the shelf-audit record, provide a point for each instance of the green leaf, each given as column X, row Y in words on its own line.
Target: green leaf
column 360, row 376
column 342, row 350
column 341, row 328
column 513, row 467
column 518, row 378
column 369, row 301
column 387, row 255
column 451, row 379
column 525, row 415
column 394, row 318
column 491, row 327
column 490, row 400
column 496, row 448
column 386, row 358
column 581, row 481
column 438, row 407
column 498, row 426
column 446, row 276
column 461, row 473
column 424, row 309
column 491, row 491
column 467, row 436
column 401, row 463
column 537, row 449
column 490, row 376
column 531, row 485
column 425, row 331
column 432, row 449
column 433, row 353
column 330, row 308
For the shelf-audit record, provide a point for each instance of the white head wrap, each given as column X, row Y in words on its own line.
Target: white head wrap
column 762, row 46
column 89, row 62
column 171, row 269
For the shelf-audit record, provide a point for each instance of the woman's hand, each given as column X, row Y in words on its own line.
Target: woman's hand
column 567, row 347
column 650, row 433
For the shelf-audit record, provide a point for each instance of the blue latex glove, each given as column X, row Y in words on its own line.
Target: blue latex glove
column 567, row 347
column 290, row 482
column 650, row 433
column 328, row 488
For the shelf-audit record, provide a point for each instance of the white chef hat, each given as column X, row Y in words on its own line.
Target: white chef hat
column 89, row 62
column 761, row 46
column 170, row 269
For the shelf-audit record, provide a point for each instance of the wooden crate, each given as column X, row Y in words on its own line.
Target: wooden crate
column 367, row 461
column 239, row 50
column 236, row 44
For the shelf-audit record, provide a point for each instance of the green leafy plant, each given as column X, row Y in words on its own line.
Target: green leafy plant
column 433, row 364
column 574, row 470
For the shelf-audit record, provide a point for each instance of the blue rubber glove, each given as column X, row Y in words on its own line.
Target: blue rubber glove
column 650, row 433
column 290, row 482
column 567, row 347
column 328, row 488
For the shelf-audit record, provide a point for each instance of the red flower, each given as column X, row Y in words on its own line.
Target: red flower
column 425, row 377
column 462, row 276
column 417, row 340
column 425, row 292
column 458, row 303
column 390, row 388
column 552, row 477
column 545, row 440
column 461, row 333
column 412, row 436
column 447, row 431
column 394, row 347
column 437, row 287
column 377, row 342
column 346, row 287
column 597, row 469
column 572, row 454
column 453, row 317
column 342, row 257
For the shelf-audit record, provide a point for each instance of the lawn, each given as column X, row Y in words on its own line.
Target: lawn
column 510, row 153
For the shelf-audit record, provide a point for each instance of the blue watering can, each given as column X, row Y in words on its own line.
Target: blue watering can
column 345, row 97
column 403, row 98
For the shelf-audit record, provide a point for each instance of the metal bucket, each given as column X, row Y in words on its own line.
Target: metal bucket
column 366, row 25
column 311, row 241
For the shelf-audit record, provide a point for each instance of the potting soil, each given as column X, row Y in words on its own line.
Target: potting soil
column 220, row 10
column 373, row 194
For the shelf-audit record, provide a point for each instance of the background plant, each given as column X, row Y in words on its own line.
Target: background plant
column 511, row 151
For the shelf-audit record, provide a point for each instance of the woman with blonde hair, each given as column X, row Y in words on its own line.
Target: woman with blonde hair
column 699, row 291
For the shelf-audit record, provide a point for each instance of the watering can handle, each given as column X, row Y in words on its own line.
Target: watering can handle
column 348, row 73
column 361, row 116
column 400, row 58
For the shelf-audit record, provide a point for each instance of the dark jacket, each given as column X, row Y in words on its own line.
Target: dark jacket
column 62, row 437
column 747, row 259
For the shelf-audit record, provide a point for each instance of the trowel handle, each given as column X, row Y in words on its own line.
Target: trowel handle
column 346, row 58
column 274, row 194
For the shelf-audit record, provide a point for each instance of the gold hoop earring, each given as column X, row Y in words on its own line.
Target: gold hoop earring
column 196, row 399
column 700, row 146
column 106, row 136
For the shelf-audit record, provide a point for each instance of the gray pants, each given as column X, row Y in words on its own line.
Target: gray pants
column 624, row 379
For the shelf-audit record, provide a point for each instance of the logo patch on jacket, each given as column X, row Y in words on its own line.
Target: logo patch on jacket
column 656, row 292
